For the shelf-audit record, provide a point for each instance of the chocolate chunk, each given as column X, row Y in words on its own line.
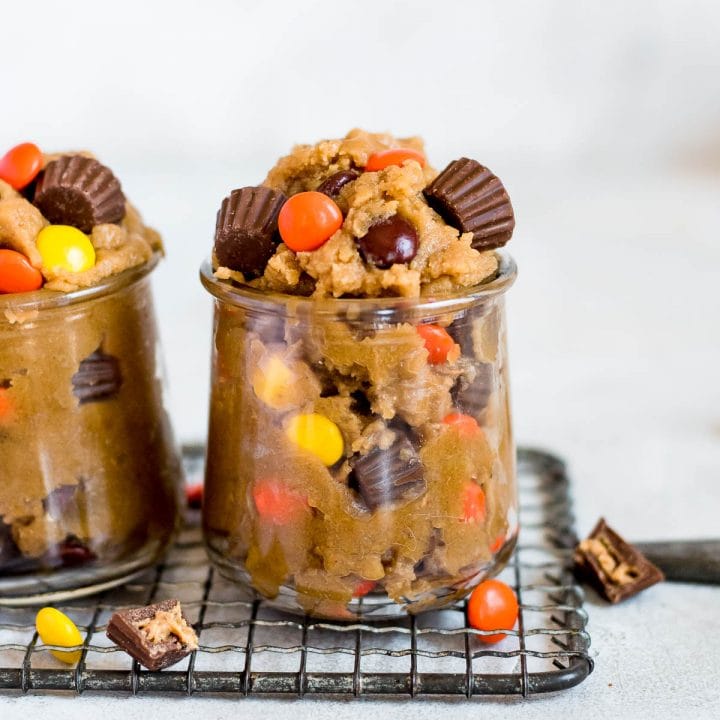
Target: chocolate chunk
column 472, row 398
column 335, row 183
column 60, row 501
column 388, row 476
column 389, row 241
column 432, row 565
column 246, row 233
column 614, row 567
column 157, row 636
column 79, row 191
column 8, row 549
column 470, row 198
column 97, row 378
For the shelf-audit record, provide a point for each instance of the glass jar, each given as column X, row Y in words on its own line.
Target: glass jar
column 90, row 477
column 360, row 459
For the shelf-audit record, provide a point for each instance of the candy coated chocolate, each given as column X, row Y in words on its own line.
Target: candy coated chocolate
column 335, row 183
column 389, row 241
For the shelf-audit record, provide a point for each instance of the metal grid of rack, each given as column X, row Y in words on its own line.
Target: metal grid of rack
column 247, row 648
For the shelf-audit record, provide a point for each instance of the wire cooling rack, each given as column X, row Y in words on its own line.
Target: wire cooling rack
column 247, row 648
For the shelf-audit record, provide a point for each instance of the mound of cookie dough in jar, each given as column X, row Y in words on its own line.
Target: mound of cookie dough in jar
column 360, row 449
column 88, row 470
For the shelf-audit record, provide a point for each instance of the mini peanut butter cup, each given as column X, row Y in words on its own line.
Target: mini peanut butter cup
column 79, row 191
column 246, row 233
column 469, row 197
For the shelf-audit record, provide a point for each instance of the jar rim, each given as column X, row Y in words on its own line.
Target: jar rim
column 40, row 300
column 251, row 298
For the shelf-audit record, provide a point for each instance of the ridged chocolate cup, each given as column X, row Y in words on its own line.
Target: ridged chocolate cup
column 79, row 191
column 470, row 198
column 246, row 233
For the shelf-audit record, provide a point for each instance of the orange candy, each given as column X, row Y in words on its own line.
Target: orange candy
column 277, row 503
column 438, row 343
column 395, row 156
column 20, row 165
column 17, row 275
column 492, row 606
column 363, row 588
column 308, row 220
column 6, row 406
column 466, row 425
column 473, row 503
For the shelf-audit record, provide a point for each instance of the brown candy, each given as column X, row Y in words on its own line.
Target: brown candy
column 389, row 241
column 97, row 378
column 469, row 197
column 79, row 191
column 157, row 636
column 614, row 567
column 387, row 476
column 335, row 183
column 246, row 231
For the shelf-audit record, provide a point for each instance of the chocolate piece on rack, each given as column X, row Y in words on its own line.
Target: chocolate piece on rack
column 79, row 191
column 157, row 636
column 97, row 378
column 472, row 398
column 614, row 567
column 388, row 476
column 335, row 183
column 246, row 232
column 470, row 198
column 390, row 241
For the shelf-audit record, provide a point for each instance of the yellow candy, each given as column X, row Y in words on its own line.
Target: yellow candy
column 65, row 248
column 56, row 628
column 273, row 383
column 317, row 434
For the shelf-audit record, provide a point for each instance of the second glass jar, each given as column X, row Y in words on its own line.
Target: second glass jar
column 360, row 454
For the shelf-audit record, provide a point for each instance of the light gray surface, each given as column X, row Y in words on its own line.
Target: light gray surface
column 615, row 351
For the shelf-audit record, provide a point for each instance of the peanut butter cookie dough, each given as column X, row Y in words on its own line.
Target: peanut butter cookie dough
column 360, row 455
column 88, row 467
column 443, row 259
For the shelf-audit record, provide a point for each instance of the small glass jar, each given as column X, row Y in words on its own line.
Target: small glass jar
column 360, row 459
column 90, row 476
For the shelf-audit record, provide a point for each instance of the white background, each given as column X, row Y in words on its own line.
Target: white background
column 603, row 119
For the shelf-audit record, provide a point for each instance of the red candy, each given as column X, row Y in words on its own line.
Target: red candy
column 467, row 426
column 438, row 343
column 277, row 503
column 395, row 156
column 308, row 220
column 492, row 606
column 473, row 503
column 17, row 275
column 20, row 165
column 194, row 495
column 498, row 542
column 363, row 588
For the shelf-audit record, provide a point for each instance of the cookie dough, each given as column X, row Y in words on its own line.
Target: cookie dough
column 416, row 502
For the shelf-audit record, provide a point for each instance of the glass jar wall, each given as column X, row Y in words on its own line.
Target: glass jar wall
column 360, row 454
